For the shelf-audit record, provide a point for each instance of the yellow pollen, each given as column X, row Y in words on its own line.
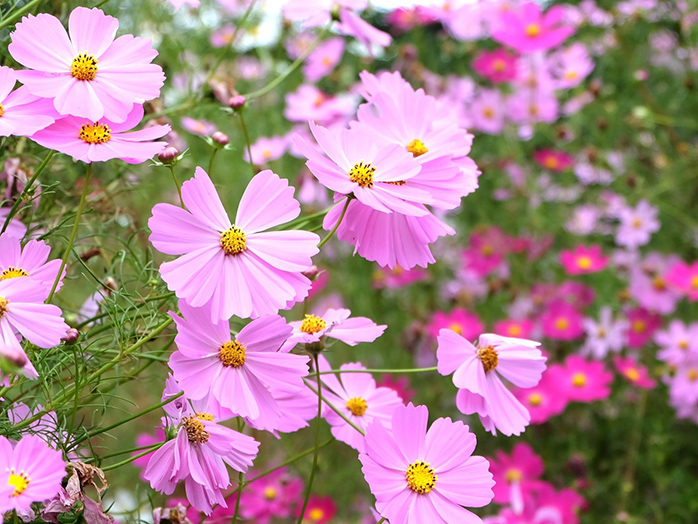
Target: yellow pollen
column 562, row 324
column 269, row 493
column 397, row 183
column 3, row 306
column 694, row 282
column 488, row 112
column 584, row 262
column 659, row 284
column 455, row 326
column 632, row 374
column 233, row 241
column 551, row 162
column 319, row 100
column 312, row 324
column 84, row 67
column 532, row 30
column 2, row 110
column 420, row 477
column 357, row 406
column 232, row 353
column 417, row 148
column 513, row 475
column 579, row 380
column 13, row 272
column 326, row 60
column 533, row 110
column 639, row 326
column 205, row 416
column 267, row 153
column 196, row 432
column 362, row 174
column 487, row 250
column 316, row 514
column 95, row 133
column 535, row 399
column 514, row 330
column 19, row 482
column 601, row 332
column 488, row 357
column 683, row 345
column 693, row 375
column 499, row 65
column 636, row 223
column 571, row 75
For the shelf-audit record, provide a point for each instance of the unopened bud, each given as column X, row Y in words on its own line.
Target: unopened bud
column 15, row 357
column 311, row 273
column 71, row 336
column 168, row 155
column 237, row 102
column 220, row 138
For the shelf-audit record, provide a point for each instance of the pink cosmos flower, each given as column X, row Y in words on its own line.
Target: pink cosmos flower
column 634, row 373
column 583, row 260
column 488, row 111
column 103, row 140
column 637, row 224
column 556, row 161
column 266, row 149
column 353, row 25
column 22, row 310
column 425, row 476
column 544, row 400
column 497, row 66
column 642, row 326
column 679, row 343
column 308, row 103
column 684, row 278
column 324, row 59
column 582, row 380
column 396, row 278
column 21, row 113
column 15, row 228
column 240, row 373
column 561, row 321
column 29, row 472
column 334, row 323
column 237, row 269
column 466, row 324
column 486, row 251
column 605, row 335
column 376, row 174
column 516, row 475
column 529, row 30
column 572, row 65
column 478, row 372
column 649, row 286
column 198, row 454
column 357, row 397
column 28, row 261
column 320, row 510
column 272, row 496
column 528, row 106
column 146, row 439
column 198, row 127
column 514, row 328
column 89, row 75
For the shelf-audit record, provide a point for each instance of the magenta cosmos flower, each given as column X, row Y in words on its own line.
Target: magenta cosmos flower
column 684, row 278
column 21, row 113
column 238, row 372
column 31, row 472
column 420, row 476
column 582, row 380
column 530, row 30
column 358, row 398
column 103, row 140
column 88, row 74
column 28, row 261
column 478, row 372
column 583, row 260
column 497, row 66
column 273, row 496
column 236, row 269
column 516, row 475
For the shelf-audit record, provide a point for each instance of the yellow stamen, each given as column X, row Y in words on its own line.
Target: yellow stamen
column 84, row 67
column 269, row 493
column 513, row 474
column 316, row 514
column 362, row 174
column 95, row 133
column 312, row 324
column 535, row 399
column 532, row 30
column 514, row 330
column 693, row 375
column 232, row 353
column 639, row 326
column 196, row 431
column 489, row 358
column 694, row 282
column 3, row 306
column 632, row 374
column 551, row 162
column 19, row 482
column 417, row 148
column 579, row 380
column 488, row 112
column 13, row 272
column 659, row 283
column 584, row 262
column 455, row 326
column 420, row 477
column 499, row 65
column 2, row 110
column 562, row 324
column 357, row 406
column 233, row 241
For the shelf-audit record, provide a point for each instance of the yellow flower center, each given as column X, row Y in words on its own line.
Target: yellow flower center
column 316, row 514
column 512, row 475
column 532, row 30
column 632, row 374
column 2, row 110
column 269, row 493
column 357, row 406
column 455, row 326
column 196, row 432
column 551, row 162
column 637, row 223
column 232, row 353
column 420, row 477
column 3, row 306
column 233, row 241
column 579, row 380
column 693, row 375
column 267, row 153
column 312, row 324
column 683, row 345
column 584, row 262
column 659, row 284
column 84, row 67
column 562, row 324
column 19, row 482
column 417, row 148
column 694, row 282
column 535, row 399
column 95, row 133
column 488, row 357
column 499, row 65
column 362, row 174
column 488, row 112
column 639, row 326
column 514, row 330
column 13, row 272
column 571, row 75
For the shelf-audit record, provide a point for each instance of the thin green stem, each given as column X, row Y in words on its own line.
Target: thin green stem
column 248, row 143
column 27, row 188
column 316, row 449
column 210, row 163
column 241, row 483
column 143, row 302
column 336, row 226
column 74, row 234
column 131, row 459
column 7, row 21
column 112, row 455
column 413, row 370
column 334, row 408
column 382, row 520
column 290, row 69
column 179, row 187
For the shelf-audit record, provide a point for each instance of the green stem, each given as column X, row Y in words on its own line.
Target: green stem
column 336, row 226
column 131, row 459
column 74, row 234
column 112, row 455
column 27, row 187
column 290, row 69
column 7, row 21
column 145, row 301
column 248, row 143
column 382, row 520
column 413, row 370
column 317, row 439
column 179, row 187
column 239, row 496
column 333, row 407
column 210, row 163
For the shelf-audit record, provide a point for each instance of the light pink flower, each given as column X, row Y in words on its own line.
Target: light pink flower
column 384, row 277
column 28, row 261
column 679, row 343
column 237, row 269
column 266, row 149
column 684, row 278
column 89, row 75
column 488, row 111
column 21, row 113
column 420, row 475
column 478, row 372
column 103, row 140
column 605, row 335
column 637, row 224
column 572, row 65
column 583, row 260
column 353, row 25
column 309, row 103
column 324, row 59
column 530, row 30
column 198, row 127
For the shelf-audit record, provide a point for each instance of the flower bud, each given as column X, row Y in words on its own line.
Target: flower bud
column 168, row 155
column 220, row 138
column 71, row 336
column 237, row 102
column 312, row 273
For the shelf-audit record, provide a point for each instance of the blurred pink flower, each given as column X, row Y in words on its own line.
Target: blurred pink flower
column 274, row 495
column 583, row 260
column 267, row 149
column 679, row 343
column 556, row 161
column 633, row 372
column 582, row 380
column 324, row 59
column 642, row 325
column 561, row 321
column 516, row 475
column 464, row 323
column 637, row 224
column 22, row 114
column 684, row 278
column 497, row 66
column 530, row 30
column 320, row 510
column 544, row 400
